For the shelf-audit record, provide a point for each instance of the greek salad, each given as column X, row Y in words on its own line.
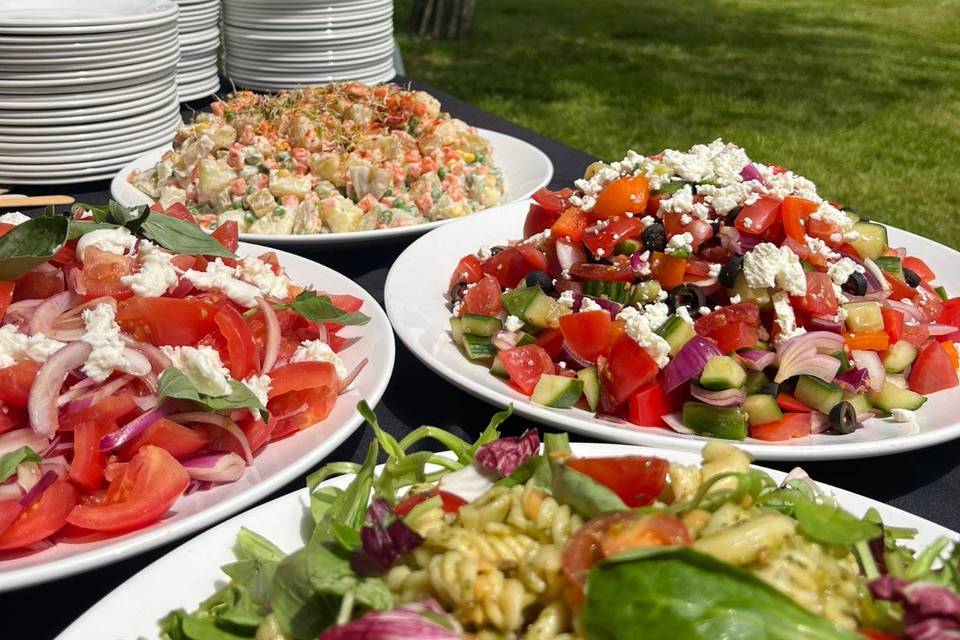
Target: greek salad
column 331, row 159
column 701, row 291
column 504, row 539
column 141, row 358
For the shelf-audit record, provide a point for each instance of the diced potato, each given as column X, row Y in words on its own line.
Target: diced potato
column 192, row 151
column 366, row 179
column 235, row 215
column 307, row 218
column 326, row 166
column 273, row 224
column 340, row 214
column 261, row 202
column 170, row 195
column 215, row 176
column 285, row 183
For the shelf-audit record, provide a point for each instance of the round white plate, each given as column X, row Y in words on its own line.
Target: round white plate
column 525, row 169
column 306, row 36
column 306, row 76
column 297, row 59
column 191, row 573
column 301, row 22
column 193, row 25
column 94, row 130
column 278, row 464
column 161, row 122
column 83, row 58
column 40, row 127
column 49, row 118
column 199, row 90
column 295, row 6
column 45, row 82
column 48, row 17
column 48, row 42
column 199, row 38
column 98, row 152
column 414, row 300
column 112, row 97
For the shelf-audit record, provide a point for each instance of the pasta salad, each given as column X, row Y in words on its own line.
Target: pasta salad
column 331, row 159
column 508, row 539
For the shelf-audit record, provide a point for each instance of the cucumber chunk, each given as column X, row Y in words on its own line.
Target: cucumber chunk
column 517, row 300
column 762, row 409
column 628, row 247
column 559, row 392
column 756, row 380
column 722, row 372
column 872, row 240
column 616, row 291
column 456, row 330
column 817, row 394
column 899, row 356
column 892, row 397
column 844, row 361
column 524, row 338
column 942, row 292
column 477, row 325
column 720, row 422
column 864, row 316
column 858, row 401
column 760, row 297
column 890, row 264
column 497, row 368
column 544, row 312
column 591, row 386
column 644, row 292
column 478, row 347
column 676, row 331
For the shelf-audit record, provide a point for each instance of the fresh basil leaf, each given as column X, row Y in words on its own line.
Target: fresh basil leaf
column 180, row 236
column 318, row 308
column 301, row 611
column 174, row 384
column 832, row 525
column 132, row 218
column 676, row 592
column 10, row 461
column 79, row 227
column 583, row 494
column 30, row 244
column 536, row 468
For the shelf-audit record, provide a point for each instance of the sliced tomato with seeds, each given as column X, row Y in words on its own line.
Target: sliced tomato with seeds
column 468, row 271
column 227, row 234
column 179, row 440
column 167, row 321
column 628, row 368
column 735, row 336
column 553, row 201
column 619, row 271
column 483, row 298
column 756, row 218
column 820, row 299
column 88, row 463
column 243, row 353
column 102, row 273
column 42, row 519
column 296, row 376
column 745, row 312
column 638, row 480
column 525, row 365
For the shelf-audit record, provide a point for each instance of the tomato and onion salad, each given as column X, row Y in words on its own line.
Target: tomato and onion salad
column 110, row 454
column 648, row 295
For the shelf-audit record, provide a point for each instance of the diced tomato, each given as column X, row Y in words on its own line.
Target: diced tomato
column 525, row 365
column 15, row 382
column 9, row 510
column 535, row 258
column 178, row 210
column 919, row 267
column 700, row 230
column 745, row 312
column 915, row 334
column 107, row 410
column 305, row 407
column 734, row 336
column 42, row 519
column 67, row 254
column 538, row 220
column 149, row 485
column 928, row 303
column 483, row 298
column 552, row 201
column 167, row 321
column 345, row 302
column 950, row 348
column 258, row 433
column 6, row 295
column 820, row 299
column 788, row 402
column 899, row 289
column 38, row 284
column 297, row 376
column 823, row 230
column 87, row 465
column 649, row 404
column 638, row 480
column 12, row 417
column 932, row 371
column 551, row 340
column 244, row 355
column 756, row 218
column 867, row 340
column 587, row 333
column 893, row 324
column 571, row 224
column 603, row 239
column 450, row 502
column 102, row 272
column 628, row 368
column 179, row 440
column 468, row 271
column 793, row 425
column 619, row 271
column 668, row 270
column 623, row 195
column 228, row 235
column 794, row 211
column 509, row 267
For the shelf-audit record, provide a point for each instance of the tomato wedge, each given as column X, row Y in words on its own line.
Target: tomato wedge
column 587, row 333
column 468, row 271
column 758, row 217
column 619, row 271
column 108, row 410
column 15, row 382
column 227, row 234
column 820, row 298
column 793, row 425
column 525, row 365
column 638, row 480
column 42, row 519
column 167, row 321
column 303, row 408
column 101, row 274
column 628, row 368
column 932, row 371
column 919, row 267
column 602, row 241
column 450, row 502
column 745, row 312
column 244, row 355
column 734, row 336
column 296, row 376
column 86, row 468
column 623, row 195
column 893, row 323
column 179, row 440
column 649, row 404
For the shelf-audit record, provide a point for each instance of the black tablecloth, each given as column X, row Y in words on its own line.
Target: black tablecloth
column 923, row 482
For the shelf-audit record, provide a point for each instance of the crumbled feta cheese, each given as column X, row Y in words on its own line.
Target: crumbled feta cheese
column 787, row 183
column 684, row 314
column 600, row 252
column 661, row 295
column 727, row 198
column 103, row 334
column 16, row 346
column 588, row 304
column 656, row 313
column 680, row 244
column 735, row 299
column 715, row 268
column 118, row 241
column 703, row 311
column 828, row 213
column 682, row 202
column 457, row 307
column 202, row 367
column 786, row 319
column 319, row 351
column 260, row 274
column 640, row 329
column 567, row 299
column 513, row 323
column 685, row 219
column 220, row 277
column 770, row 266
column 259, row 386
column 484, row 253
column 646, row 221
column 539, row 238
column 747, row 223
column 157, row 273
column 904, row 415
column 562, row 364
column 841, row 270
column 15, row 218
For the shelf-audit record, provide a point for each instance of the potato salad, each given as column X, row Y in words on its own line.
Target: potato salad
column 332, row 159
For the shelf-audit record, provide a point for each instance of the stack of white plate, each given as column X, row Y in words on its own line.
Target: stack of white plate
column 286, row 44
column 85, row 86
column 197, row 73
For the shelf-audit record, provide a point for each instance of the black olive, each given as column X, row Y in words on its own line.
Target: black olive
column 686, row 295
column 654, row 237
column 732, row 216
column 843, row 417
column 497, row 249
column 911, row 278
column 457, row 293
column 729, row 272
column 770, row 389
column 788, row 385
column 855, row 284
column 540, row 279
column 715, row 225
column 846, row 208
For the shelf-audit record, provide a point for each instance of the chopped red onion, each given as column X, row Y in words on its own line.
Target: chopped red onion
column 874, row 270
column 569, row 253
column 871, row 363
column 852, row 380
column 37, row 490
column 385, row 538
column 20, row 312
column 818, row 422
column 730, row 240
column 750, row 172
column 724, row 398
column 506, row 454
column 224, row 423
column 757, row 360
column 673, row 421
column 573, row 361
column 221, row 467
column 748, row 241
column 272, row 343
column 637, row 261
column 504, row 340
column 819, row 323
column 609, row 306
column 800, row 355
column 111, row 387
column 936, row 329
column 51, row 309
column 132, row 429
column 42, row 402
column 908, row 310
column 158, row 359
column 350, row 377
column 689, row 362
column 401, row 623
column 77, row 390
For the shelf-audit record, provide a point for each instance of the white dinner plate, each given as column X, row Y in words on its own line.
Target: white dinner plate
column 199, row 38
column 298, row 59
column 191, row 573
column 48, row 118
column 415, row 302
column 114, row 97
column 96, row 152
column 307, row 35
column 301, row 22
column 118, row 138
column 199, row 90
column 52, row 17
column 279, row 463
column 525, row 169
column 53, row 81
column 40, row 124
column 307, row 76
column 82, row 58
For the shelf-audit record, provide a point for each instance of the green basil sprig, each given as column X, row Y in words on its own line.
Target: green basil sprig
column 30, row 244
column 318, row 308
column 174, row 384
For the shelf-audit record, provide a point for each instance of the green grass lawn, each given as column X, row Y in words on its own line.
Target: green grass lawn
column 861, row 97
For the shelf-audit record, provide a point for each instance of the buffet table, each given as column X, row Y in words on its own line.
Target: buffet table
column 923, row 482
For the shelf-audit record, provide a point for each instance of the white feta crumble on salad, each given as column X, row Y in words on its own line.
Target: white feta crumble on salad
column 513, row 323
column 715, row 268
column 786, row 318
column 787, row 183
column 567, row 299
column 639, row 326
column 819, row 247
column 828, row 213
column 484, row 252
column 661, row 295
column 768, row 265
column 682, row 244
column 220, row 277
column 259, row 386
column 16, row 346
column 735, row 299
column 703, row 311
column 260, row 274
column 727, row 198
column 589, row 304
column 682, row 202
column 904, row 415
column 841, row 270
column 539, row 238
column 646, row 221
column 202, row 367
column 319, row 351
column 15, row 218
column 103, row 334
column 157, row 273
column 118, row 241
column 684, row 314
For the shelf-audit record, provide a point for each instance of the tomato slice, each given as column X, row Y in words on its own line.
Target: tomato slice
column 928, row 303
column 149, row 485
column 15, row 382
column 108, row 410
column 509, row 267
column 450, row 502
column 88, row 463
column 242, row 350
column 42, row 519
column 700, row 230
column 9, row 510
column 102, row 271
column 788, row 402
column 734, row 336
column 468, row 271
column 178, row 210
column 628, row 368
column 535, row 258
column 227, row 234
column 552, row 342
column 179, row 440
column 668, row 270
column 919, row 267
column 571, row 224
column 483, row 298
column 649, row 404
column 893, row 323
column 745, row 312
column 638, row 480
column 932, row 371
column 756, row 218
column 297, row 376
column 38, row 284
column 525, row 365
column 538, row 220
column 602, row 241
column 623, row 195
column 619, row 271
column 6, row 295
column 587, row 333
column 552, row 201
column 793, row 425
column 794, row 211
column 820, row 298
column 167, row 321
column 899, row 289
column 305, row 407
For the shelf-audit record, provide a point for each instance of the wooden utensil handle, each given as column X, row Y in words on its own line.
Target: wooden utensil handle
column 12, row 202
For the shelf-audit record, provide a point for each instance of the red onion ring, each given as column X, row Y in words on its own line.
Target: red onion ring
column 37, row 490
column 221, row 467
column 724, row 398
column 871, row 363
column 223, row 422
column 132, row 429
column 42, row 402
column 350, row 377
column 49, row 310
column 272, row 343
column 569, row 253
column 675, row 423
column 20, row 312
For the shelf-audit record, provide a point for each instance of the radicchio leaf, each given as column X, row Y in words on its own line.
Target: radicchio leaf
column 385, row 538
column 929, row 611
column 506, row 454
column 425, row 621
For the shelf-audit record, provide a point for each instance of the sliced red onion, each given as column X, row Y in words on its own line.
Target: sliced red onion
column 137, row 364
column 757, row 360
column 224, row 423
column 609, row 306
column 569, row 253
column 272, row 343
column 569, row 285
column 730, row 240
column 37, row 490
column 75, row 281
column 77, row 390
column 10, row 491
column 689, row 362
column 819, row 323
column 20, row 312
column 852, row 380
column 871, row 363
column 13, row 440
column 221, row 467
column 132, row 429
column 112, row 387
column 874, row 270
column 158, row 359
column 908, row 310
column 818, row 422
column 42, row 403
column 51, row 309
column 350, row 377
column 936, row 329
column 748, row 241
column 638, row 262
column 673, row 421
column 573, row 361
column 750, row 172
column 150, row 381
column 402, row 623
column 801, row 355
column 504, row 340
column 724, row 398
column 80, row 404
